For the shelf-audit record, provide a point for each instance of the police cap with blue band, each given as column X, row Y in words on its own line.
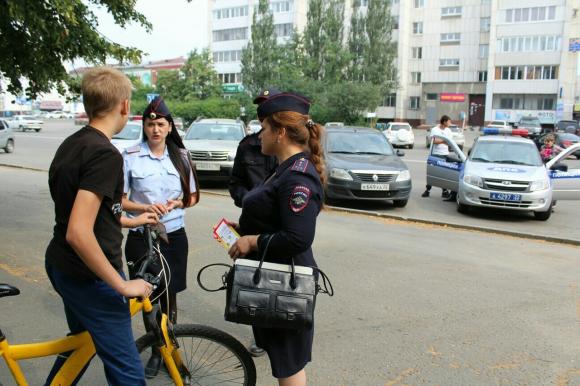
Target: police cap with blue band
column 284, row 102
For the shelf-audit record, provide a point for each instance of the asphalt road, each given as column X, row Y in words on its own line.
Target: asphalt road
column 36, row 150
column 414, row 304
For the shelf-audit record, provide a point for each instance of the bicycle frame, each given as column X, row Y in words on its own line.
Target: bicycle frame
column 83, row 350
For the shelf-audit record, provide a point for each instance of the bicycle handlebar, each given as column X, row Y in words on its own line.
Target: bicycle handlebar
column 142, row 273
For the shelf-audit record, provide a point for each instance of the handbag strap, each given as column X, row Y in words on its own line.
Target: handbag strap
column 224, row 276
column 326, row 283
column 258, row 272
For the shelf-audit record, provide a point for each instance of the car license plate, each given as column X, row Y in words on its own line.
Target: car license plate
column 505, row 196
column 374, row 186
column 207, row 166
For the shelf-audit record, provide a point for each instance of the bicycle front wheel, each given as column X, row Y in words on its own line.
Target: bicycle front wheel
column 211, row 356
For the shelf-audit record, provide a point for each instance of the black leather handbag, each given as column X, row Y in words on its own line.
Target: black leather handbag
column 271, row 295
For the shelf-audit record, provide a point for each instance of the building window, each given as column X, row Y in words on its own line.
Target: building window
column 227, row 56
column 483, row 51
column 451, row 12
column 227, row 13
column 539, row 43
column 417, row 52
column 510, row 103
column 418, row 27
column 283, row 30
column 419, row 3
column 230, row 34
column 415, row 77
column 526, row 15
column 526, row 72
column 546, row 104
column 432, row 97
column 284, row 6
column 231, row 77
column 361, row 3
column 390, row 100
column 451, row 38
column 448, row 63
column 482, row 76
column 414, row 103
column 485, row 24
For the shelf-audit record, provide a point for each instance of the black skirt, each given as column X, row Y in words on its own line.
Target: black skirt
column 289, row 350
column 175, row 253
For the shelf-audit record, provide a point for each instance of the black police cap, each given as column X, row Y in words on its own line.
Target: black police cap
column 265, row 94
column 284, row 102
column 157, row 109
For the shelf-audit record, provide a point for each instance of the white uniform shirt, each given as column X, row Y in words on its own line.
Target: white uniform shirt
column 151, row 180
column 441, row 148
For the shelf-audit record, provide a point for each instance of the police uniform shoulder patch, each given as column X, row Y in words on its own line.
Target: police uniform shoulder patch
column 299, row 198
column 300, row 165
column 133, row 149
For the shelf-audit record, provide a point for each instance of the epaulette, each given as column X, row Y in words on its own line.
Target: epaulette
column 133, row 149
column 300, row 165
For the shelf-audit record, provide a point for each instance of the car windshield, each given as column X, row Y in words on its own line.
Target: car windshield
column 569, row 137
column 357, row 143
column 565, row 124
column 505, row 152
column 30, row 118
column 400, row 127
column 129, row 132
column 215, row 131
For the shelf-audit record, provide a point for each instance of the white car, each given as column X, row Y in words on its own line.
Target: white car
column 212, row 144
column 499, row 124
column 505, row 172
column 399, row 134
column 457, row 133
column 25, row 122
column 254, row 126
column 131, row 135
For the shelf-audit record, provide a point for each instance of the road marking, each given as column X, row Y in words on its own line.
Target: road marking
column 29, row 274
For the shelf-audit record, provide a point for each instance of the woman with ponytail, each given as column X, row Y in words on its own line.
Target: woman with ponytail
column 286, row 206
column 159, row 178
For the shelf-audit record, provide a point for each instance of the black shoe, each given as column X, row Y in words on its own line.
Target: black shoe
column 256, row 351
column 451, row 197
column 425, row 194
column 445, row 193
column 153, row 364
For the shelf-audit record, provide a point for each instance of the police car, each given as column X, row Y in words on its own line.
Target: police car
column 505, row 171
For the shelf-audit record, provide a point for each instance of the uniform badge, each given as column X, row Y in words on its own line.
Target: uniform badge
column 152, row 115
column 266, row 93
column 299, row 198
column 300, row 165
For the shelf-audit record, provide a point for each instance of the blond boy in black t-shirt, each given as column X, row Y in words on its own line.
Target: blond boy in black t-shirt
column 84, row 258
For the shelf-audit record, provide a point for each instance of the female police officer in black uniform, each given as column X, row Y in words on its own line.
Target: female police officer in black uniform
column 286, row 205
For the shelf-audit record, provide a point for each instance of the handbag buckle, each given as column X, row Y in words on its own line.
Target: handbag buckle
column 291, row 316
column 252, row 312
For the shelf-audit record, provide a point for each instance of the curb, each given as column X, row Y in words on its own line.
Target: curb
column 441, row 224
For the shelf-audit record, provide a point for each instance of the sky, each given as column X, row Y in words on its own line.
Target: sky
column 178, row 28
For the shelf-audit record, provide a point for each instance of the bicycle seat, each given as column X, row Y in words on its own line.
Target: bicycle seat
column 8, row 290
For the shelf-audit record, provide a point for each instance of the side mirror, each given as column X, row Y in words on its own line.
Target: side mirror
column 559, row 167
column 400, row 153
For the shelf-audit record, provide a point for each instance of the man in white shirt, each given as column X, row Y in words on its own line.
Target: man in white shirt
column 440, row 148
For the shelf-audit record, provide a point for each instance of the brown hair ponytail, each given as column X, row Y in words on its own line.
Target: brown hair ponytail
column 303, row 131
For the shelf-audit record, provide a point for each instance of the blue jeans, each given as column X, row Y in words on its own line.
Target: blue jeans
column 93, row 306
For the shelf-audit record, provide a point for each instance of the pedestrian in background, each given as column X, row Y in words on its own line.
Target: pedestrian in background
column 159, row 178
column 285, row 206
column 440, row 148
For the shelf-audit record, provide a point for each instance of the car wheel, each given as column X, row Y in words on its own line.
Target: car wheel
column 543, row 216
column 9, row 146
column 37, row 130
column 462, row 208
column 427, row 143
column 21, row 128
column 411, row 146
column 400, row 203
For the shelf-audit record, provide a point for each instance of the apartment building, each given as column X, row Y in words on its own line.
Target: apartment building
column 230, row 30
column 474, row 60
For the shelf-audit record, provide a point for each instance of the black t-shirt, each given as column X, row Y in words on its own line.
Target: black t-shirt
column 86, row 160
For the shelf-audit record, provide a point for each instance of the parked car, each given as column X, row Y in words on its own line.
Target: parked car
column 499, row 124
column 531, row 124
column 399, row 134
column 505, row 172
column 362, row 165
column 178, row 123
column 25, row 122
column 59, row 115
column 456, row 131
column 254, row 126
column 564, row 140
column 212, row 144
column 567, row 127
column 81, row 119
column 6, row 137
column 131, row 135
column 334, row 124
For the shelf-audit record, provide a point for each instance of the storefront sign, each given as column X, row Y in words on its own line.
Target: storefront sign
column 449, row 97
column 232, row 88
column 513, row 116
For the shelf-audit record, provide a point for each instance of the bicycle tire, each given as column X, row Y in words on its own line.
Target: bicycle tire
column 208, row 347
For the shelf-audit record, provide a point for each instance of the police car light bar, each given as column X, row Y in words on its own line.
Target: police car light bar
column 501, row 130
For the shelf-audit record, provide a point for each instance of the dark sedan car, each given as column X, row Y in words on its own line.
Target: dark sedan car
column 362, row 165
column 564, row 140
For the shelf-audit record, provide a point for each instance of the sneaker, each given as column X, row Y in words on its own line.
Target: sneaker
column 445, row 193
column 451, row 197
column 425, row 194
column 153, row 365
column 256, row 351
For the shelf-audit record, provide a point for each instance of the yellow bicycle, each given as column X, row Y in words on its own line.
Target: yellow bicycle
column 192, row 354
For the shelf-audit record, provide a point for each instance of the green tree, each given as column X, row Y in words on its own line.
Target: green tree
column 38, row 37
column 314, row 40
column 261, row 56
column 334, row 57
column 381, row 51
column 357, row 46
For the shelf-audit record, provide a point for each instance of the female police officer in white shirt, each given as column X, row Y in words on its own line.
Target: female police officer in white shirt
column 159, row 178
